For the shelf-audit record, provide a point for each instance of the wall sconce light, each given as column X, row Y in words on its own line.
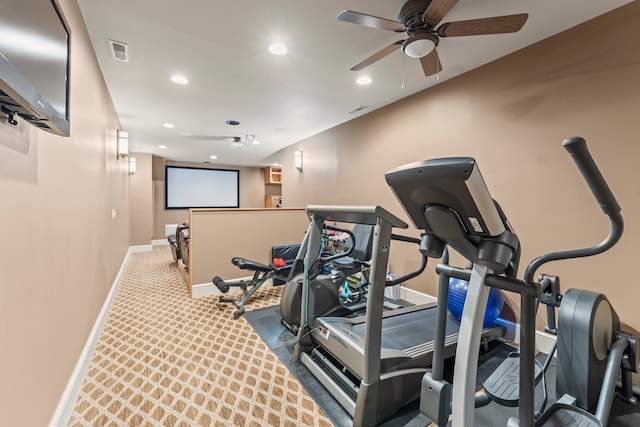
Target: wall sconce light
column 123, row 144
column 132, row 165
column 298, row 160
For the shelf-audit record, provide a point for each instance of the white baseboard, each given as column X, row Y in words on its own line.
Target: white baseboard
column 68, row 399
column 416, row 297
column 140, row 248
column 204, row 290
column 159, row 242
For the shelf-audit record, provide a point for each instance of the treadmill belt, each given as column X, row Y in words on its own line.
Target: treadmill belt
column 410, row 329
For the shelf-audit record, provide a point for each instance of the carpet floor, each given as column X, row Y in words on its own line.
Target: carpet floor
column 165, row 359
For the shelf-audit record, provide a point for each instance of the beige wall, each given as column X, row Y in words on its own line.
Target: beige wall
column 217, row 235
column 141, row 196
column 62, row 249
column 512, row 116
column 252, row 191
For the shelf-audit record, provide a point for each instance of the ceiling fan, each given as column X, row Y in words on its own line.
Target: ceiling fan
column 236, row 141
column 420, row 19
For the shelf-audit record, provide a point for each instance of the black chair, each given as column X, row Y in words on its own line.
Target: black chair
column 173, row 241
column 261, row 273
column 183, row 244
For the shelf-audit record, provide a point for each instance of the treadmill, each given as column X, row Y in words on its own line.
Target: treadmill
column 372, row 365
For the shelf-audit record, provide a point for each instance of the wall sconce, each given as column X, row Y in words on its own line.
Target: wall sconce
column 132, row 165
column 298, row 160
column 123, row 144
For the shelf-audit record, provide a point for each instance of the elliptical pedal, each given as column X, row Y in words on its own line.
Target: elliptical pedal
column 564, row 415
column 502, row 386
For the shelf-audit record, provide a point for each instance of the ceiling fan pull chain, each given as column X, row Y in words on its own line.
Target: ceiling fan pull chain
column 438, row 68
column 403, row 74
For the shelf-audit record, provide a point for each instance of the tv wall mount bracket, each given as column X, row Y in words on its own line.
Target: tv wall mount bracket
column 10, row 115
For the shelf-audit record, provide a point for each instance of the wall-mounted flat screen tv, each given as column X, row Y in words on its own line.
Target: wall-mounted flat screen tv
column 189, row 187
column 34, row 63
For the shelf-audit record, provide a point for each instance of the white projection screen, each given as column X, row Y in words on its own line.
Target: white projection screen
column 187, row 187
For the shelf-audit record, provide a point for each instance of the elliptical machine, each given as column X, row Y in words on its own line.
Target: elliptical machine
column 331, row 274
column 449, row 200
column 335, row 297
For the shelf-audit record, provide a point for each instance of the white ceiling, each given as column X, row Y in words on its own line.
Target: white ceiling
column 221, row 47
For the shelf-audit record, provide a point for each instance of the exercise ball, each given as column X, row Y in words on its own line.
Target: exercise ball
column 458, row 294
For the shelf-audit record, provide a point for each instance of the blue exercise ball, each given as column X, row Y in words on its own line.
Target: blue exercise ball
column 458, row 294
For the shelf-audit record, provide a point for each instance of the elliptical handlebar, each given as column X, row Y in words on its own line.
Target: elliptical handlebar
column 577, row 147
column 412, row 274
column 340, row 254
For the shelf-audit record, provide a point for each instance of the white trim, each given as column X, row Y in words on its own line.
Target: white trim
column 416, row 297
column 159, row 242
column 68, row 399
column 204, row 290
column 140, row 248
column 544, row 341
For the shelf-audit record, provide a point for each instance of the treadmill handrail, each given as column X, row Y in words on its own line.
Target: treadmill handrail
column 509, row 284
column 355, row 214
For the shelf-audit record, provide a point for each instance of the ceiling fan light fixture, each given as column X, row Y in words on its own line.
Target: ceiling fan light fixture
column 419, row 45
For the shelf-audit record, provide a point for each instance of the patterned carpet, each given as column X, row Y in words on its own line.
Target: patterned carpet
column 164, row 359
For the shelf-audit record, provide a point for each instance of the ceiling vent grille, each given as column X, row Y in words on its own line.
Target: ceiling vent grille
column 358, row 109
column 119, row 51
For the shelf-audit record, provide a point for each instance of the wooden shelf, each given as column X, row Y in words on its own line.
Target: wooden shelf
column 273, row 175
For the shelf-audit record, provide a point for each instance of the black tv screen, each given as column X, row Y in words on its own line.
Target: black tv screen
column 34, row 63
column 189, row 187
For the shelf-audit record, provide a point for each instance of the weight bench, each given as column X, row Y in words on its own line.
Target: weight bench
column 278, row 270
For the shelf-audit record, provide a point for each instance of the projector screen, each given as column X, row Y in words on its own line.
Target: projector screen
column 187, row 187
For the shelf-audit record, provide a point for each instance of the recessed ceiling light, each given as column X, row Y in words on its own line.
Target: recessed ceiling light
column 278, row 49
column 364, row 80
column 181, row 80
column 169, row 125
column 232, row 122
column 276, row 164
column 213, row 157
column 255, row 141
column 162, row 147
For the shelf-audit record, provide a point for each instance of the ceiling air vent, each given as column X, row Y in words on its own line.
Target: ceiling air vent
column 119, row 51
column 358, row 109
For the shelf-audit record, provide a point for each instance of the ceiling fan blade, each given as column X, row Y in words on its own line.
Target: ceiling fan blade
column 483, row 26
column 377, row 56
column 431, row 63
column 370, row 21
column 209, row 137
column 437, row 10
